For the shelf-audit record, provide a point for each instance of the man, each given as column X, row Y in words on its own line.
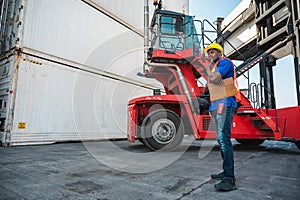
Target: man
column 222, row 111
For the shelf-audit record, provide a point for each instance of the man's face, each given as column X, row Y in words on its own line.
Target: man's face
column 214, row 54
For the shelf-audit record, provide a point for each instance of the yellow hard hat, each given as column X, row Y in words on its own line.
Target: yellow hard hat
column 214, row 46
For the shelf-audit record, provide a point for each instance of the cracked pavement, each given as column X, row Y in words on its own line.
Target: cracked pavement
column 71, row 171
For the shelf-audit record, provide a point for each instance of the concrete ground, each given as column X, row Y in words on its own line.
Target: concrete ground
column 122, row 170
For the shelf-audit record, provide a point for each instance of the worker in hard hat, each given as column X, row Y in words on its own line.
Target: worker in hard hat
column 222, row 111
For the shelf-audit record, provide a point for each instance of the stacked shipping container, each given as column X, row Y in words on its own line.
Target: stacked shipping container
column 68, row 68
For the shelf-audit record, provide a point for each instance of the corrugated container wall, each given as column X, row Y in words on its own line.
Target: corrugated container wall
column 68, row 68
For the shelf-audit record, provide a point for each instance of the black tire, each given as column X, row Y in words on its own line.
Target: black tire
column 298, row 144
column 254, row 142
column 141, row 140
column 162, row 130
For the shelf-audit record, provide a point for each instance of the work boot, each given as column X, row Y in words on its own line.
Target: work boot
column 218, row 176
column 226, row 185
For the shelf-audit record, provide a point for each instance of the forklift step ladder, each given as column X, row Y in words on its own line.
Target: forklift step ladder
column 269, row 122
column 261, row 120
column 262, row 114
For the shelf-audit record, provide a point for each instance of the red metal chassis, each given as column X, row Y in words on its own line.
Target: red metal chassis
column 243, row 126
column 248, row 122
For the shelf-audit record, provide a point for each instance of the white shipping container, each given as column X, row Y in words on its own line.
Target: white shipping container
column 72, row 29
column 54, row 101
column 68, row 68
column 131, row 11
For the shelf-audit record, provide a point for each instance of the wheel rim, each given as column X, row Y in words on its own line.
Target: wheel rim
column 163, row 131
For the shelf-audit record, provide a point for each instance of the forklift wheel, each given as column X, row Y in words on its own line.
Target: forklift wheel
column 141, row 140
column 298, row 144
column 162, row 130
column 253, row 142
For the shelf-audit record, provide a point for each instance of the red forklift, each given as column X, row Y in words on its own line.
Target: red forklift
column 173, row 57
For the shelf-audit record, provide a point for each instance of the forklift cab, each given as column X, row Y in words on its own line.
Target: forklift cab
column 173, row 37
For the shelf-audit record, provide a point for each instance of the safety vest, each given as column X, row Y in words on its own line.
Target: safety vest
column 237, row 93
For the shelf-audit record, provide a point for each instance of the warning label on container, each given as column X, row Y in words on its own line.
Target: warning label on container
column 22, row 125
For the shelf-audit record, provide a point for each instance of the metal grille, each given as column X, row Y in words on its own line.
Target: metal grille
column 207, row 124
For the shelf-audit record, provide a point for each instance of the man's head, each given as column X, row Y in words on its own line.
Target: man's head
column 214, row 51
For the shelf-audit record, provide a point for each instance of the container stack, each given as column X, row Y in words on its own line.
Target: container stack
column 68, row 68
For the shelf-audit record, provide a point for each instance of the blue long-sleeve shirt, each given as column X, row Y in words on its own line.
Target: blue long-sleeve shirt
column 226, row 69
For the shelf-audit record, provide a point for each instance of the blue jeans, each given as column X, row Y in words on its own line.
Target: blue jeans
column 223, row 123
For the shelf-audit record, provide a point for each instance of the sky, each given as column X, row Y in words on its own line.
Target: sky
column 284, row 75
